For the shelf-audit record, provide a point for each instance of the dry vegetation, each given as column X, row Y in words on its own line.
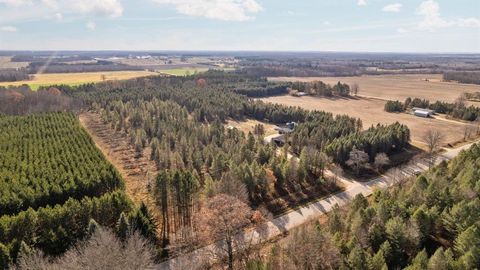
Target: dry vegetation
column 79, row 78
column 399, row 87
column 137, row 171
column 249, row 125
column 371, row 112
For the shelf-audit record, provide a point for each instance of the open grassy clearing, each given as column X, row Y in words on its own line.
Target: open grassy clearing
column 371, row 112
column 248, row 126
column 399, row 87
column 78, row 78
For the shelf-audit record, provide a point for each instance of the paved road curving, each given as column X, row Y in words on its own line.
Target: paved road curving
column 314, row 210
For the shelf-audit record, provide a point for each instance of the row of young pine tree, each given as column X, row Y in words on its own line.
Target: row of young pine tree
column 53, row 181
column 47, row 159
column 429, row 222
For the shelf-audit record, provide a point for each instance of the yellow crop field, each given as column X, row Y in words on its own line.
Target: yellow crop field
column 78, row 78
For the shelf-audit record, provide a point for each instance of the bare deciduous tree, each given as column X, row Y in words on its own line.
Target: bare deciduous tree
column 433, row 139
column 467, row 132
column 355, row 89
column 223, row 218
column 337, row 172
column 358, row 159
column 102, row 251
column 461, row 101
column 381, row 160
column 307, row 248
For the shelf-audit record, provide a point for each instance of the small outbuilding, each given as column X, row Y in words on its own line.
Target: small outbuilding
column 421, row 112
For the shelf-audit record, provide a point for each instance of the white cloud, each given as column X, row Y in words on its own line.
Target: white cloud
column 469, row 22
column 15, row 3
column 58, row 16
column 362, row 2
column 402, row 30
column 91, row 25
column 8, row 29
column 109, row 8
column 226, row 10
column 392, row 7
column 430, row 10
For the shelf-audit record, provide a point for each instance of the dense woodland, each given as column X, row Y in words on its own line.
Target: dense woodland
column 46, row 67
column 462, row 77
column 347, row 64
column 458, row 109
column 23, row 101
column 54, row 181
column 429, row 222
column 12, row 75
column 179, row 123
column 47, row 159
column 319, row 88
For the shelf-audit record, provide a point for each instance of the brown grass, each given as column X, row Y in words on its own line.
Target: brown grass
column 399, row 87
column 371, row 112
column 137, row 170
column 248, row 126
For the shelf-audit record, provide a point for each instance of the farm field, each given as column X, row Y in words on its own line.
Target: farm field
column 399, row 87
column 5, row 62
column 371, row 112
column 78, row 78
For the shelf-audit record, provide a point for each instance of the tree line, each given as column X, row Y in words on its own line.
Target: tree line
column 458, row 109
column 22, row 101
column 377, row 139
column 319, row 88
column 13, row 75
column 470, row 77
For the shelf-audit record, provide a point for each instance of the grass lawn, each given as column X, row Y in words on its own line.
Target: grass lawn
column 74, row 79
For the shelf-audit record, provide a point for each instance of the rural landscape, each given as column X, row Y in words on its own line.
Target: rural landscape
column 230, row 156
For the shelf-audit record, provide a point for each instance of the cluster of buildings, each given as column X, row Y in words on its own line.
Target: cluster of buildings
column 279, row 138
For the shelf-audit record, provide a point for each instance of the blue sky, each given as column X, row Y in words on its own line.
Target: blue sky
column 277, row 25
